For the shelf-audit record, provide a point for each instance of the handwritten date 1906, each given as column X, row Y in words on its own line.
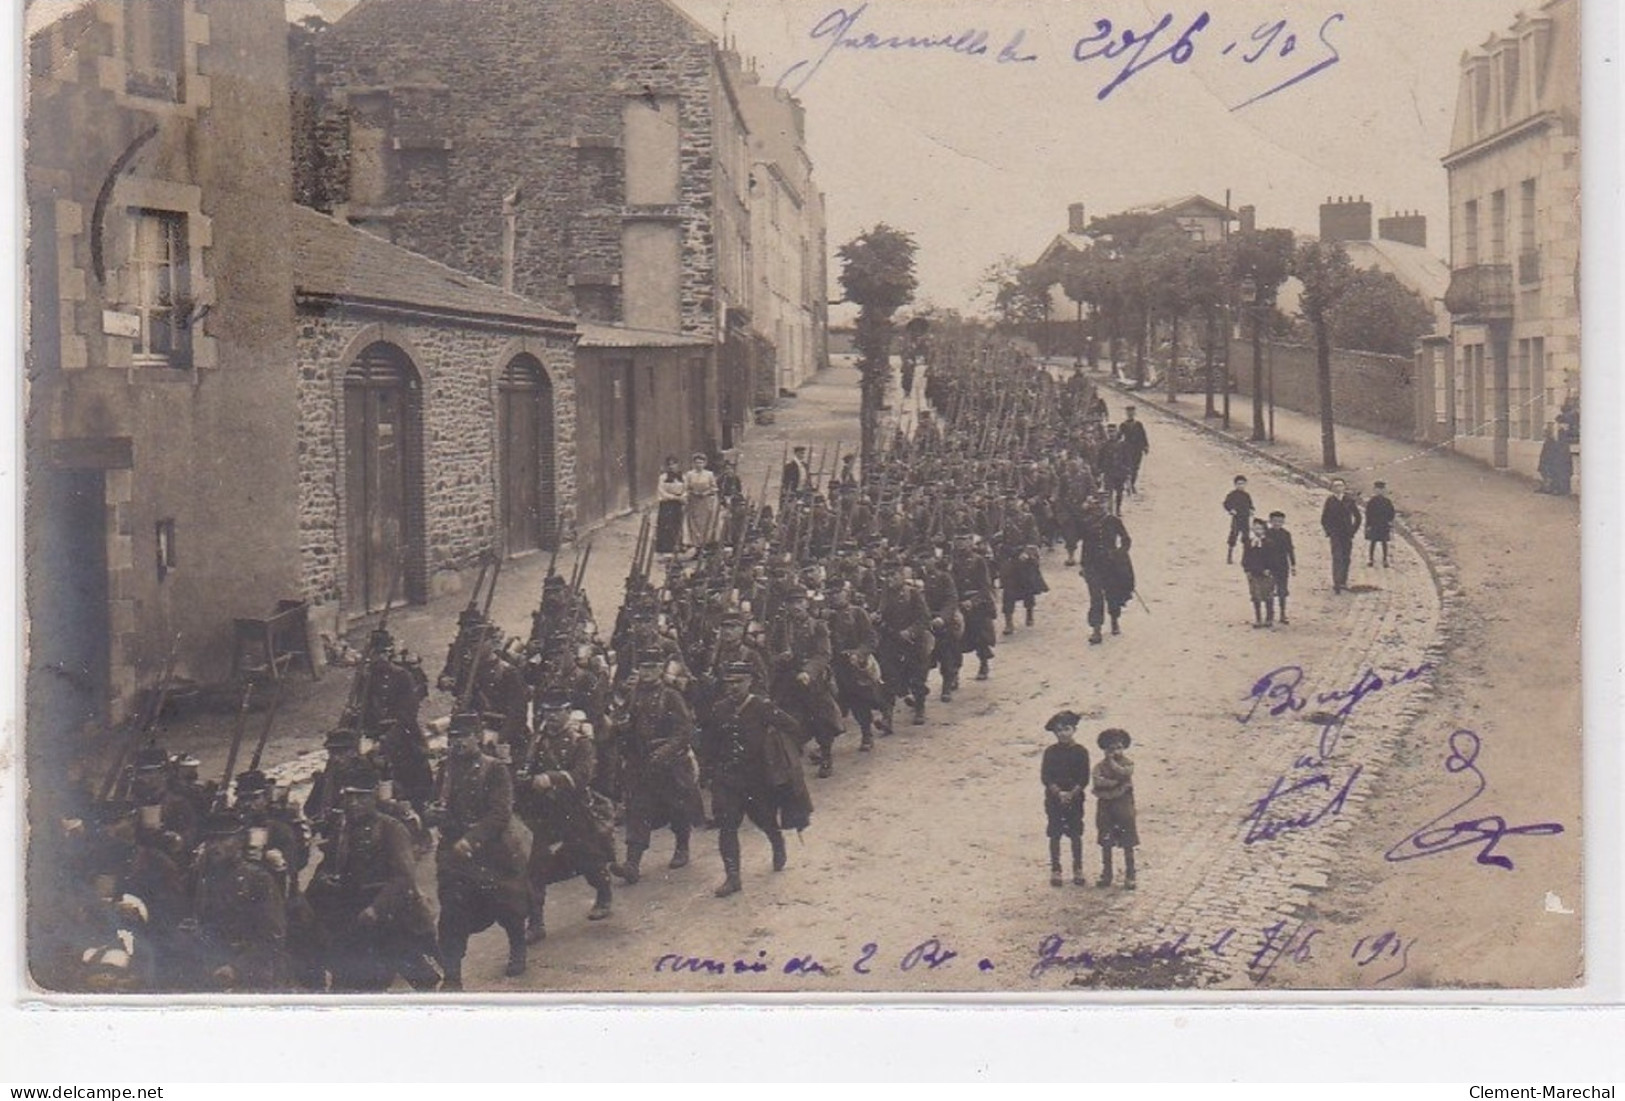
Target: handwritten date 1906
column 1271, row 42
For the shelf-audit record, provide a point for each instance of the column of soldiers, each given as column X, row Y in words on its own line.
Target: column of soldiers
column 723, row 673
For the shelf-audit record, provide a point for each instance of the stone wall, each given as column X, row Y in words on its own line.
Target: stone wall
column 519, row 95
column 1370, row 392
column 458, row 366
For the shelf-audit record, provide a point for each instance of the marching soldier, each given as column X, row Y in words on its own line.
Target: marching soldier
column 803, row 679
column 859, row 689
column 974, row 582
column 572, row 829
column 1106, row 567
column 240, row 914
column 947, row 623
column 753, row 753
column 657, row 775
column 479, row 868
column 906, row 639
column 373, row 923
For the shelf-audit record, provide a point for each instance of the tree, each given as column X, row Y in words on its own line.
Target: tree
column 1378, row 313
column 1261, row 261
column 877, row 275
column 1018, row 293
column 1325, row 271
column 1208, row 276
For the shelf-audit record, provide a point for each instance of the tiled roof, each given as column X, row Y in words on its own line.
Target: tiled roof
column 619, row 336
column 334, row 259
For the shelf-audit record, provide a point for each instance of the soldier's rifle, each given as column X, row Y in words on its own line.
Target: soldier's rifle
column 236, row 742
column 355, row 707
column 144, row 722
column 265, row 728
column 637, row 550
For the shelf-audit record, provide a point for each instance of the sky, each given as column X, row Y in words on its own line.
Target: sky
column 979, row 158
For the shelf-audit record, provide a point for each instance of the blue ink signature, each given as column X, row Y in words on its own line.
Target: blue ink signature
column 1271, row 43
column 1271, row 946
column 1435, row 838
column 1277, row 693
column 927, row 955
column 838, row 30
column 1262, row 826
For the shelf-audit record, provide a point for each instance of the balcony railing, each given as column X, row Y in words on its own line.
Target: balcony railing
column 1480, row 293
column 1528, row 267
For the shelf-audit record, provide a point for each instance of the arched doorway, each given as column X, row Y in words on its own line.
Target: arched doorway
column 525, row 459
column 383, row 480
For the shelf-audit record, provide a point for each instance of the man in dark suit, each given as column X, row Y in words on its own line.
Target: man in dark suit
column 1135, row 446
column 795, row 474
column 1340, row 520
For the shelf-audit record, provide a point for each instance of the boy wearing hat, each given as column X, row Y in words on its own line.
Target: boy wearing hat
column 1379, row 523
column 1283, row 560
column 1239, row 504
column 1065, row 776
column 1255, row 563
column 1114, row 806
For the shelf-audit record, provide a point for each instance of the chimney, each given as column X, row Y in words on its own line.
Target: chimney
column 1406, row 228
column 1249, row 218
column 1345, row 220
column 1074, row 219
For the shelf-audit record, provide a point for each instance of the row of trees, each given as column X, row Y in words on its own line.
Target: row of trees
column 1145, row 277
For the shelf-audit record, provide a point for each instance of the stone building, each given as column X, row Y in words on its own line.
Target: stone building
column 589, row 156
column 789, row 235
column 162, row 421
column 437, row 421
column 1513, row 360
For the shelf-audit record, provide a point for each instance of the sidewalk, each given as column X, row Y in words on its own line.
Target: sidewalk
column 824, row 414
column 1507, row 563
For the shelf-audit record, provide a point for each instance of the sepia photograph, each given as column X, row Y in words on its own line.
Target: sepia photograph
column 718, row 498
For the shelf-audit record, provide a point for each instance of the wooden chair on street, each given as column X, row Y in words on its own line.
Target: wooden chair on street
column 271, row 646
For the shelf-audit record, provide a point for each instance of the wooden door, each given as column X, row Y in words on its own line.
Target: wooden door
column 379, row 434
column 525, row 435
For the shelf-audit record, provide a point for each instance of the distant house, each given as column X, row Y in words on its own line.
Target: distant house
column 1513, row 359
column 1201, row 218
column 1399, row 247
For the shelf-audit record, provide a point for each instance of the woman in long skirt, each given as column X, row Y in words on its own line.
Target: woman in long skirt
column 669, row 516
column 701, row 486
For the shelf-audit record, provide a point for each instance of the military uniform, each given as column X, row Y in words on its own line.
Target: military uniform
column 753, row 752
column 372, row 922
column 803, row 682
column 1106, row 568
column 241, row 916
column 658, row 774
column 479, row 864
column 947, row 624
column 571, row 826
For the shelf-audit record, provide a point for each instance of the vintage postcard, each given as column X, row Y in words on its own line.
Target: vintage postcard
column 913, row 497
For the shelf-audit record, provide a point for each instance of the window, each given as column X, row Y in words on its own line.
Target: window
column 165, row 535
column 1509, row 81
column 155, row 48
column 160, row 292
column 653, row 154
column 1469, row 232
column 1498, row 227
column 1526, row 218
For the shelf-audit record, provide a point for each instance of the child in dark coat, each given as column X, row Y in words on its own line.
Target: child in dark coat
column 1255, row 563
column 1379, row 524
column 1239, row 504
column 1065, row 775
column 1114, row 806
